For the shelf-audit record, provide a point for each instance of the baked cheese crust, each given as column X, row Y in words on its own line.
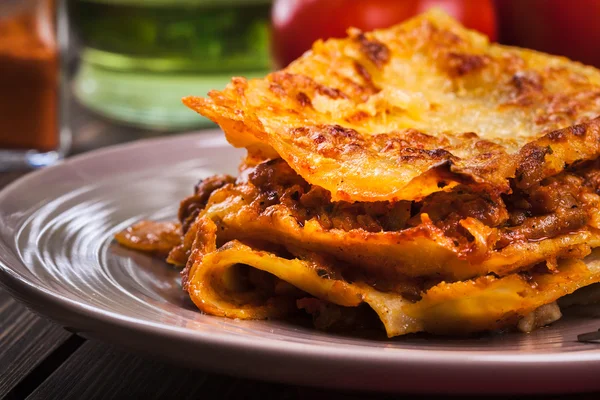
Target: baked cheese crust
column 388, row 115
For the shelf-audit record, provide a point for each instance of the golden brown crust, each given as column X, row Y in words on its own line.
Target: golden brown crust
column 386, row 115
column 557, row 150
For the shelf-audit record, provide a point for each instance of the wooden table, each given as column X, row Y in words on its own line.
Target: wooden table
column 41, row 360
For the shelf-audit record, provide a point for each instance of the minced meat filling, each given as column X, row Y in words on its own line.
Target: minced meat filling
column 553, row 207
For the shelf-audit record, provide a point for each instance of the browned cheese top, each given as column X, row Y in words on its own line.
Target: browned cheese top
column 400, row 113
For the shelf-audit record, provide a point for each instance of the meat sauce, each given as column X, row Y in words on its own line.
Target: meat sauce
column 553, row 207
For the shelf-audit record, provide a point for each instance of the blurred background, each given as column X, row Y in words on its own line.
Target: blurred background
column 81, row 74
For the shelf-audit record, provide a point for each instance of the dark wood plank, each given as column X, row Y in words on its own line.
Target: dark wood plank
column 99, row 371
column 91, row 131
column 8, row 177
column 25, row 342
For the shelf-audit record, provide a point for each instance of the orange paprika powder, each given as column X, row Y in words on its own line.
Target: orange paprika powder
column 29, row 78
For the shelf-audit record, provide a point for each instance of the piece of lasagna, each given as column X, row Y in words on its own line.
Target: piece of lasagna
column 446, row 184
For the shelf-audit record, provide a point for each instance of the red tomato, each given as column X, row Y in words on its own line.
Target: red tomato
column 560, row 27
column 299, row 23
column 474, row 14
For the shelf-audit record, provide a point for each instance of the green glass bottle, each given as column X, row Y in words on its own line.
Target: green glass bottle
column 140, row 57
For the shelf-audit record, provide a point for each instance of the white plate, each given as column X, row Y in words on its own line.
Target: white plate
column 58, row 257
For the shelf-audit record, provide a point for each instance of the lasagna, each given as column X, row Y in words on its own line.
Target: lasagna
column 417, row 176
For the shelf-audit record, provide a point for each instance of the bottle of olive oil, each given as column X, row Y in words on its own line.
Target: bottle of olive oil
column 139, row 57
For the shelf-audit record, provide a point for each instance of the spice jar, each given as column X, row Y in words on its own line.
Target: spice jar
column 30, row 123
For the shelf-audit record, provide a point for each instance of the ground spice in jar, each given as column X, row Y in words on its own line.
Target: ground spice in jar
column 29, row 78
